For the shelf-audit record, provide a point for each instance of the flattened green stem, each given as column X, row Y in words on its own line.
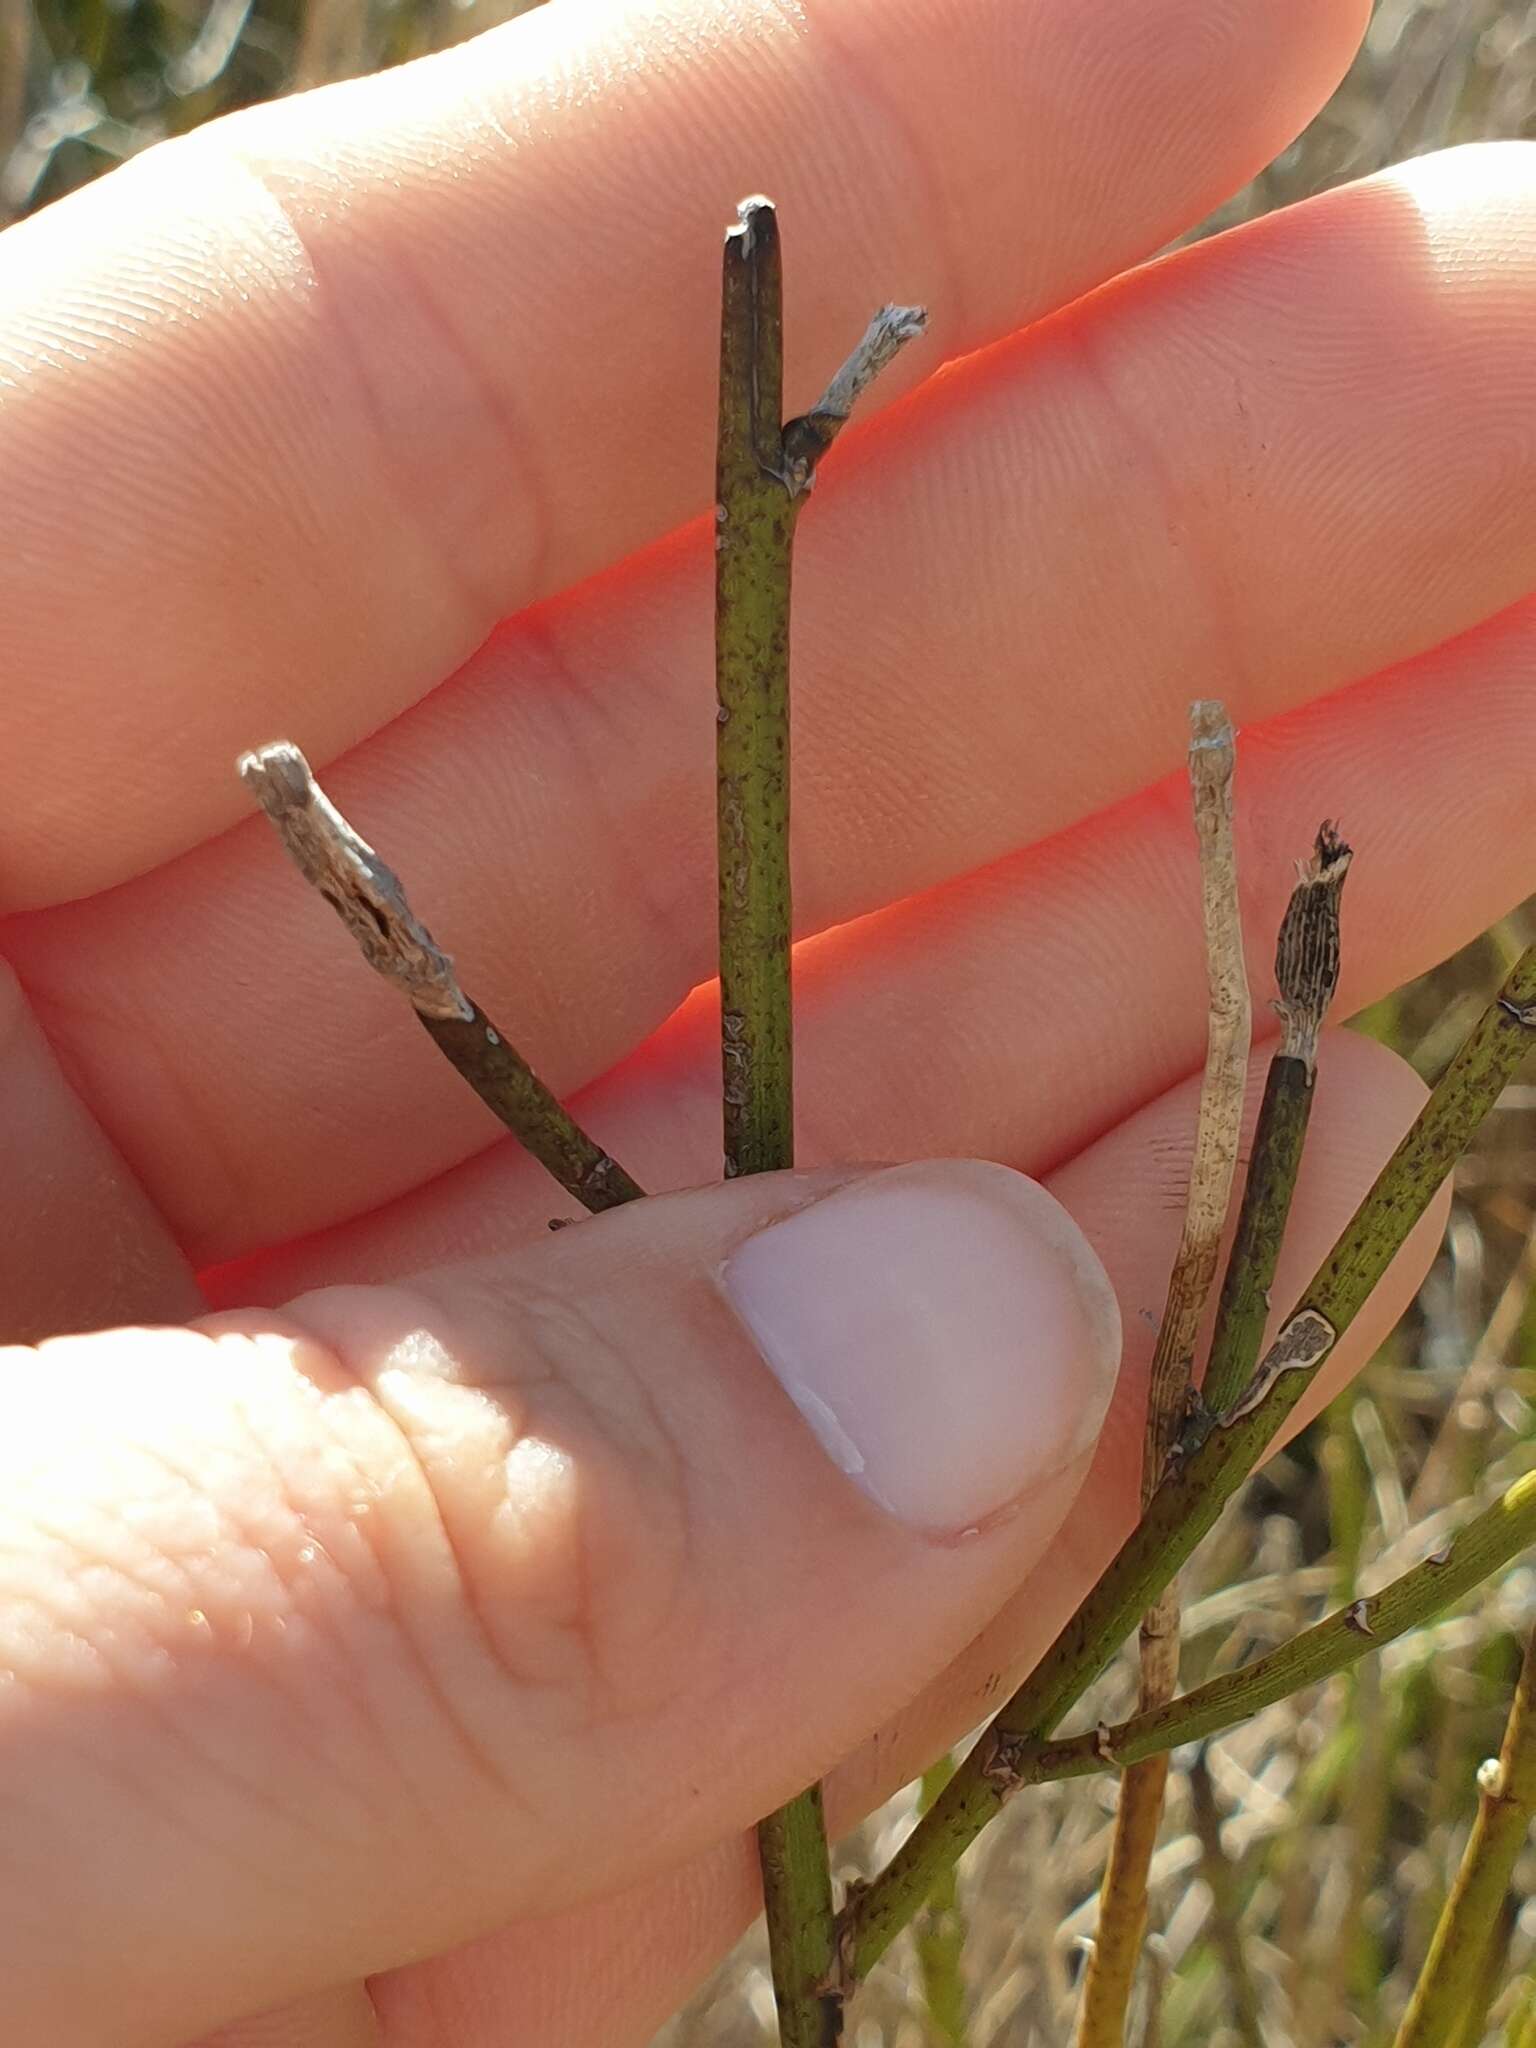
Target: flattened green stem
column 1192, row 1495
column 1307, row 973
column 1455, row 1971
column 368, row 897
column 756, row 503
column 763, row 471
column 941, row 1935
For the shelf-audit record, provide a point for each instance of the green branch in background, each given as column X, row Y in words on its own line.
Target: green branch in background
column 1455, row 1972
column 1195, row 1490
column 1487, row 1543
column 764, row 469
column 368, row 898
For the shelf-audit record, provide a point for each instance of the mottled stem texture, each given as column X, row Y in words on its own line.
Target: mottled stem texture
column 1123, row 1900
column 1306, row 974
column 1456, row 1968
column 1197, row 1485
column 764, row 471
column 370, row 901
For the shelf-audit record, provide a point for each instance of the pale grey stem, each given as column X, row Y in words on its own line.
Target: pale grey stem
column 363, row 890
column 1212, row 758
column 886, row 335
column 808, row 438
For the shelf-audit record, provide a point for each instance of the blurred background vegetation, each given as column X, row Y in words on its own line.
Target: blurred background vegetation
column 1305, row 1856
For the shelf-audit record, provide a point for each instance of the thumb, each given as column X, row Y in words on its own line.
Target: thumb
column 348, row 1634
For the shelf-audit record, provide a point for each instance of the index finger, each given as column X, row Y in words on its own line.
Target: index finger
column 291, row 412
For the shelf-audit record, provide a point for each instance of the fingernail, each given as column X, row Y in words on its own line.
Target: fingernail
column 945, row 1329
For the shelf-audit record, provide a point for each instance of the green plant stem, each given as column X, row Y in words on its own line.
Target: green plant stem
column 764, row 469
column 1455, row 1971
column 505, row 1083
column 1472, row 2027
column 756, row 505
column 940, row 1935
column 755, row 510
column 764, row 472
column 1307, row 973
column 1487, row 1543
column 368, row 897
column 1194, row 1492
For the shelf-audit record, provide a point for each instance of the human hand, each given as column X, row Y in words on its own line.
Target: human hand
column 315, row 1685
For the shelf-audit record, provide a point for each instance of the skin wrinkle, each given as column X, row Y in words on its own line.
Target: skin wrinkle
column 587, row 1368
column 60, row 1013
column 182, row 291
column 325, row 1617
column 483, row 1764
column 583, row 1632
column 476, row 608
column 924, row 175
column 320, row 1360
column 1192, row 529
column 157, row 1793
column 664, row 894
column 482, row 606
column 190, row 1729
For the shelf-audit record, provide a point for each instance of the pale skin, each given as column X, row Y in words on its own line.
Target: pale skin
column 290, row 417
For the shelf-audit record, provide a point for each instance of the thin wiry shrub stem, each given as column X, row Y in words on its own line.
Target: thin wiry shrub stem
column 764, row 469
column 368, row 897
column 1199, row 1484
column 1455, row 1970
column 1359, row 1629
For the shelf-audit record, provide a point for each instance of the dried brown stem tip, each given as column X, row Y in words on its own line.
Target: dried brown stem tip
column 369, row 899
column 1307, row 952
column 365, row 893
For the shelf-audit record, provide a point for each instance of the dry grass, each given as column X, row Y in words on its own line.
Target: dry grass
column 1341, row 1812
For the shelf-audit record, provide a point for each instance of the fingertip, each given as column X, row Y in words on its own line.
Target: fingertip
column 945, row 1330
